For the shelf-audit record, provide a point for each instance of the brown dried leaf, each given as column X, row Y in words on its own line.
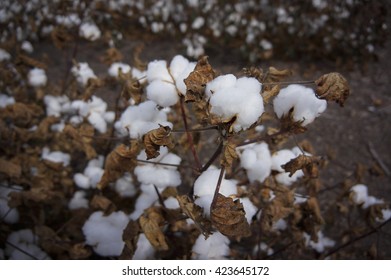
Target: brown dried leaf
column 82, row 138
column 201, row 111
column 333, row 87
column 228, row 216
column 132, row 89
column 313, row 207
column 121, row 159
column 31, row 61
column 99, row 202
column 275, row 75
column 130, row 236
column 229, row 154
column 268, row 94
column 197, row 80
column 10, row 169
column 288, row 124
column 309, row 165
column 280, row 207
column 195, row 212
column 92, row 85
column 156, row 138
column 21, row 114
column 79, row 251
column 112, row 55
column 254, row 72
column 151, row 222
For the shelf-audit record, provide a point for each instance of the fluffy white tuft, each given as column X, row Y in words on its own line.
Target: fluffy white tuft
column 257, row 161
column 214, row 248
column 83, row 73
column 115, row 68
column 279, row 158
column 37, row 77
column 56, row 156
column 89, row 31
column 78, row 201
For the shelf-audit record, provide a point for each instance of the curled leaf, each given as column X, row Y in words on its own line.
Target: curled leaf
column 129, row 236
column 228, row 216
column 268, row 94
column 99, row 202
column 132, row 89
column 82, row 138
column 197, row 80
column 92, row 86
column 333, row 87
column 151, row 222
column 156, row 138
column 112, row 55
column 229, row 154
column 195, row 212
column 10, row 169
column 309, row 165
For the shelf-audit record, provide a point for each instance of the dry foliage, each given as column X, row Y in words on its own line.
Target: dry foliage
column 156, row 138
column 333, row 87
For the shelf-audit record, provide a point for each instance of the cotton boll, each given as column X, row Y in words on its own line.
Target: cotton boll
column 162, row 92
column 98, row 122
column 78, row 201
column 124, row 186
column 215, row 247
column 157, row 70
column 116, row 66
column 109, row 117
column 83, row 73
column 82, row 181
column 139, row 75
column 56, row 156
column 221, row 82
column 7, row 214
column 180, row 80
column 145, row 250
column 304, row 101
column 171, row 203
column 257, row 161
column 249, row 208
column 386, row 215
column 27, row 47
column 280, row 158
column 4, row 55
column 26, row 241
column 162, row 177
column 207, row 181
column 359, row 193
column 104, row 233
column 322, row 243
column 89, row 31
column 37, row 77
column 178, row 64
column 97, row 162
column 6, row 100
column 147, row 198
column 95, row 174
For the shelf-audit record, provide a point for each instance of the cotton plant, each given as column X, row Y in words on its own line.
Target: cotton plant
column 166, row 83
column 104, row 233
column 91, row 174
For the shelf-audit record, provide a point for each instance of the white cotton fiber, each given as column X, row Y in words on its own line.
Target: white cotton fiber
column 145, row 250
column 157, row 70
column 26, row 241
column 124, row 186
column 97, row 121
column 359, row 195
column 220, row 82
column 306, row 106
column 83, row 73
column 249, row 208
column 216, row 247
column 115, row 68
column 56, row 156
column 147, row 198
column 78, row 201
column 89, row 31
column 243, row 101
column 139, row 119
column 321, row 245
column 104, row 233
column 180, row 69
column 162, row 92
column 37, row 77
column 6, row 100
column 4, row 55
column 171, row 203
column 279, row 158
column 57, row 105
column 257, row 161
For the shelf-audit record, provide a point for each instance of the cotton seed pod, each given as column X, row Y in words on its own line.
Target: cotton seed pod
column 333, row 87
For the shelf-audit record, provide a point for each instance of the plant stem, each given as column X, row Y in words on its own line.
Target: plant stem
column 290, row 83
column 217, row 190
column 189, row 136
column 195, row 129
column 213, row 158
column 165, row 164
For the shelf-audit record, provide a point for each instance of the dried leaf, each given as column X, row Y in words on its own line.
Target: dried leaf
column 31, row 61
column 132, row 89
column 130, row 236
column 121, row 159
column 280, row 207
column 197, row 80
column 309, row 165
column 112, row 55
column 275, row 75
column 201, row 111
column 268, row 94
column 92, row 85
column 99, row 202
column 333, row 87
column 79, row 251
column 229, row 154
column 60, row 36
column 82, row 138
column 156, row 138
column 254, row 72
column 138, row 62
column 195, row 212
column 21, row 114
column 313, row 207
column 151, row 222
column 10, row 169
column 228, row 216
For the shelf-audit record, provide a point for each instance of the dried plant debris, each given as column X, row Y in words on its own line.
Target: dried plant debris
column 333, row 87
column 151, row 223
column 156, row 138
column 228, row 216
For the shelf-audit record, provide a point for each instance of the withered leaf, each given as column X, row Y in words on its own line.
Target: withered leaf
column 138, row 62
column 79, row 251
column 132, row 89
column 333, row 87
column 31, row 61
column 82, row 138
column 229, row 154
column 156, row 138
column 99, row 202
column 92, row 85
column 129, row 236
column 112, row 55
column 309, row 165
column 50, row 241
column 195, row 212
column 280, row 207
column 197, row 80
column 121, row 159
column 22, row 114
column 228, row 216
column 10, row 169
column 268, row 94
column 254, row 72
column 313, row 207
column 275, row 75
column 151, row 222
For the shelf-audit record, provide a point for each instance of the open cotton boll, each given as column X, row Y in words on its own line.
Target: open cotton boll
column 139, row 119
column 57, row 105
column 26, row 241
column 82, row 72
column 171, row 203
column 78, row 201
column 216, row 247
column 306, row 106
column 162, row 92
column 104, row 233
column 97, row 121
column 359, row 193
column 89, row 31
column 95, row 174
column 55, row 156
column 157, row 70
column 386, row 215
column 220, row 82
column 180, row 69
column 323, row 242
column 180, row 80
column 257, row 161
column 37, row 77
column 6, row 100
column 280, row 158
column 147, row 198
column 163, row 176
column 124, row 186
column 27, row 47
column 145, row 250
column 115, row 68
column 4, row 55
column 242, row 101
column 249, row 208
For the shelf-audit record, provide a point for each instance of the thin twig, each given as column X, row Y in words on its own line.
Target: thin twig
column 290, row 83
column 21, row 250
column 376, row 157
column 217, row 190
column 165, row 164
column 213, row 158
column 195, row 129
column 374, row 230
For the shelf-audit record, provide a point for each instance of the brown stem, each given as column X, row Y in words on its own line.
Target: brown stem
column 217, row 190
column 195, row 129
column 290, row 83
column 213, row 158
column 263, row 138
column 189, row 136
column 165, row 164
